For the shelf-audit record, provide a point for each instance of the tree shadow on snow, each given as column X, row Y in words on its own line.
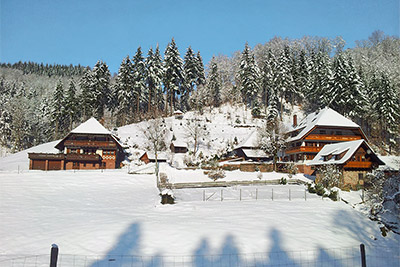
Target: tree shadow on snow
column 228, row 256
column 126, row 251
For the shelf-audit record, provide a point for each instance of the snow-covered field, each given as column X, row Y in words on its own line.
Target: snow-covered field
column 91, row 214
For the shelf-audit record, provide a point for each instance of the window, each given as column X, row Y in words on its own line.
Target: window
column 84, row 164
column 322, row 131
column 104, row 164
column 360, row 176
column 338, row 132
column 94, row 164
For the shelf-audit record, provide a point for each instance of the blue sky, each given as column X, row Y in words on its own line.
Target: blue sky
column 65, row 32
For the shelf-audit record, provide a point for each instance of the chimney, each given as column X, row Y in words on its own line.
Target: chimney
column 295, row 120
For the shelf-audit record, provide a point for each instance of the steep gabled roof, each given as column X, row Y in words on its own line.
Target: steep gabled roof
column 91, row 126
column 325, row 117
column 250, row 141
column 349, row 148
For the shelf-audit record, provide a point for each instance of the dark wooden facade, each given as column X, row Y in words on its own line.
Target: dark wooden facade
column 306, row 147
column 81, row 151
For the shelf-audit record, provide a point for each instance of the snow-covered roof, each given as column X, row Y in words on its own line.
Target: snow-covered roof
column 255, row 153
column 178, row 112
column 91, row 126
column 152, row 156
column 392, row 163
column 335, row 149
column 250, row 141
column 325, row 117
column 179, row 143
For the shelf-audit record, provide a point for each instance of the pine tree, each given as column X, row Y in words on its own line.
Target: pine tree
column 248, row 77
column 71, row 105
column 214, row 84
column 190, row 69
column 123, row 90
column 284, row 79
column 173, row 76
column 88, row 96
column 139, row 86
column 385, row 106
column 201, row 77
column 101, row 88
column 58, row 110
column 154, row 74
column 268, row 78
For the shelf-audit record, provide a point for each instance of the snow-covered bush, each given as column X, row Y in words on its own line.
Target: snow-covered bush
column 334, row 194
column 383, row 194
column 329, row 175
column 216, row 174
column 291, row 169
column 164, row 178
column 283, row 181
column 259, row 175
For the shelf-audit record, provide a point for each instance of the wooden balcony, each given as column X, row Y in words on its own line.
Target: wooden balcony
column 326, row 137
column 300, row 149
column 83, row 157
column 358, row 164
column 87, row 143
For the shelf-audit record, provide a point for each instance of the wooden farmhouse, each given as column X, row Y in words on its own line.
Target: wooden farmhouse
column 249, row 149
column 89, row 146
column 178, row 147
column 354, row 158
column 315, row 131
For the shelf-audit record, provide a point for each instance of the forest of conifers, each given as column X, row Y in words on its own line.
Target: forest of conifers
column 41, row 102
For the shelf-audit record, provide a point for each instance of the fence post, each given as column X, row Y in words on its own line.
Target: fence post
column 363, row 260
column 272, row 194
column 290, row 194
column 53, row 255
column 204, row 195
column 240, row 194
column 222, row 195
column 256, row 193
column 305, row 194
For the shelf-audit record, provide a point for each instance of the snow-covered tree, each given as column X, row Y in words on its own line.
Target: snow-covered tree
column 214, row 84
column 123, row 90
column 139, row 82
column 173, row 76
column 271, row 139
column 154, row 75
column 248, row 77
column 58, row 110
column 191, row 76
column 101, row 87
column 88, row 95
column 201, row 77
column 155, row 133
column 195, row 131
column 71, row 105
column 329, row 175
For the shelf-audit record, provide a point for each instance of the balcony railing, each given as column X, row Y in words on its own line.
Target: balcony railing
column 299, row 149
column 82, row 157
column 358, row 164
column 332, row 137
column 86, row 143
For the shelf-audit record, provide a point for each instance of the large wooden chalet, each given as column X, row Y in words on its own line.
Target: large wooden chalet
column 354, row 159
column 89, row 146
column 318, row 129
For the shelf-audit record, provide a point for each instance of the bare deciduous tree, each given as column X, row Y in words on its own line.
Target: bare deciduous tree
column 155, row 133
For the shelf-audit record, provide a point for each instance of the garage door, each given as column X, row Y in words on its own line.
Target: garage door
column 54, row 165
column 38, row 164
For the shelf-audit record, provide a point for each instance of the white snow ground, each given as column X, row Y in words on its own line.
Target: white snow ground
column 90, row 213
